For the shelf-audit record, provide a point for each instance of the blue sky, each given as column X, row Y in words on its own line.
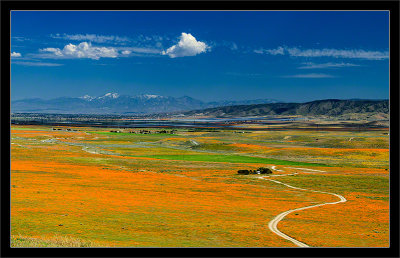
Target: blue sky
column 209, row 55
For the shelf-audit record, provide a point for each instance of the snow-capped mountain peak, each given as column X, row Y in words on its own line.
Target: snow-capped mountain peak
column 151, row 96
column 87, row 97
column 110, row 95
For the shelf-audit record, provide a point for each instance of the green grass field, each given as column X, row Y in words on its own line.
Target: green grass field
column 232, row 159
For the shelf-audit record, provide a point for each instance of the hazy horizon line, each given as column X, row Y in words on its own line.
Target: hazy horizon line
column 220, row 100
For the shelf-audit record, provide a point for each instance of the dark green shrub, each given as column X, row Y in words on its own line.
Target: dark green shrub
column 243, row 172
column 264, row 170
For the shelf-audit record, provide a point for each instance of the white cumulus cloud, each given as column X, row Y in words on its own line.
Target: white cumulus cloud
column 187, row 46
column 55, row 51
column 15, row 54
column 82, row 50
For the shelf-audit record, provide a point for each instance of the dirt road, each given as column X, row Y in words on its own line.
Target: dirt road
column 273, row 224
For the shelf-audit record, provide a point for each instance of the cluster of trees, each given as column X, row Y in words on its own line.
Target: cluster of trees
column 60, row 129
column 146, row 131
column 165, row 131
column 257, row 171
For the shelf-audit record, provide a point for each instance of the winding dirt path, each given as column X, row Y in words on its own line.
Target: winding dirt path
column 273, row 224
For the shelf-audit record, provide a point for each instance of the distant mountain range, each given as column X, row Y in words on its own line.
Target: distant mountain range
column 114, row 103
column 328, row 107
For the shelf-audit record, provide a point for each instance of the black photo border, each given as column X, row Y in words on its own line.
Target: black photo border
column 392, row 251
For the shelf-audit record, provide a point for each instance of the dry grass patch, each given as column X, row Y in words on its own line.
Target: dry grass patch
column 51, row 241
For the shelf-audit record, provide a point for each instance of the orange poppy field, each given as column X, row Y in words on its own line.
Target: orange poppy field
column 94, row 187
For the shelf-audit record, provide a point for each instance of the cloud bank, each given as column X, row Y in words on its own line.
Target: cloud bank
column 37, row 64
column 310, row 75
column 311, row 65
column 326, row 52
column 187, row 46
column 139, row 50
column 91, row 37
column 277, row 51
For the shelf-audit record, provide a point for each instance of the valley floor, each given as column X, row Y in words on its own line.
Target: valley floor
column 94, row 187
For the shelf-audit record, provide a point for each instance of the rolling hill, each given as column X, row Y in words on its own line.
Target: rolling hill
column 328, row 107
